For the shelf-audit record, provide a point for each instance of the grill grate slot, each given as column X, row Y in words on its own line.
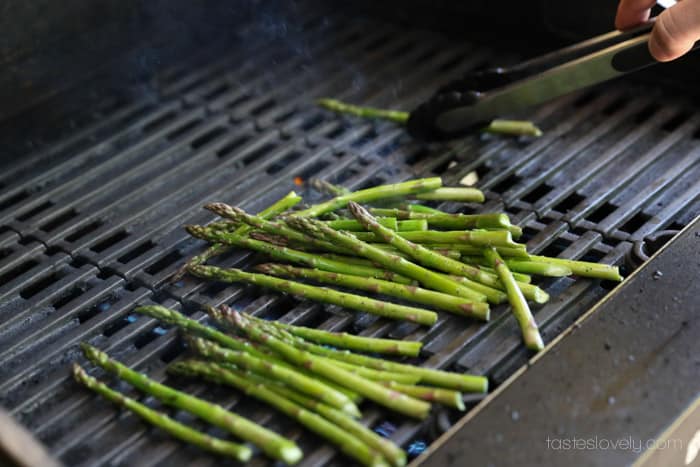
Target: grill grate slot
column 12, row 200
column 109, row 241
column 41, row 285
column 59, row 220
column 17, row 271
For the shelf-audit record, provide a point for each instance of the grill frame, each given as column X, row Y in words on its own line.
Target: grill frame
column 115, row 265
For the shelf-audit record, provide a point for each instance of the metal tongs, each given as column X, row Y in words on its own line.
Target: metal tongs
column 473, row 101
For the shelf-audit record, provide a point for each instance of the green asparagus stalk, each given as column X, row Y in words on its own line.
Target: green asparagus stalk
column 287, row 202
column 528, row 267
column 513, row 127
column 465, row 195
column 481, row 263
column 422, row 255
column 521, row 310
column 413, row 207
column 269, row 442
column 373, row 194
column 274, row 228
column 379, row 376
column 217, row 314
column 353, row 226
column 449, row 221
column 328, row 188
column 363, row 112
column 583, row 268
column 494, row 296
column 471, row 250
column 374, row 391
column 169, row 316
column 314, row 422
column 391, row 452
column 392, row 262
column 169, row 425
column 295, row 256
column 449, row 253
column 439, row 378
column 320, row 294
column 353, row 342
column 294, row 379
column 442, row 396
column 457, row 305
column 479, row 238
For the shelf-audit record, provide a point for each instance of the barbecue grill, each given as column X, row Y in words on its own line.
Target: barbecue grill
column 115, row 138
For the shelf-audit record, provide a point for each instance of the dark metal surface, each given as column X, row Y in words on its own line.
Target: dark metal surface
column 619, row 377
column 91, row 214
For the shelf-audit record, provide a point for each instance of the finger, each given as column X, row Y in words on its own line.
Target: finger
column 631, row 13
column 675, row 31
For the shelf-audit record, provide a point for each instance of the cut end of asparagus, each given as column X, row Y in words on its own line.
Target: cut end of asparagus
column 540, row 296
column 290, row 454
column 533, row 340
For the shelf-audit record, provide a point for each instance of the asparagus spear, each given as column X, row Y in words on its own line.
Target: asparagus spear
column 465, row 195
column 169, row 425
column 319, row 425
column 423, row 255
column 288, row 201
column 393, row 262
column 443, row 379
column 442, row 396
column 528, row 267
column 373, row 194
column 353, row 342
column 471, row 250
column 513, row 127
column 583, row 268
column 379, row 376
column 269, row 442
column 521, row 310
column 374, row 391
column 492, row 295
column 217, row 315
column 363, row 112
column 291, row 377
column 328, row 188
column 449, row 221
column 442, row 301
column 480, row 238
column 320, row 294
column 505, row 127
column 274, row 228
column 481, row 263
column 391, row 452
column 295, row 256
column 353, row 226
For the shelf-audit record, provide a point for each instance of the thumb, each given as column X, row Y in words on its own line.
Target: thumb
column 676, row 31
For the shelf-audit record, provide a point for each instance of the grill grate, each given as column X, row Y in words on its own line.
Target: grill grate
column 98, row 227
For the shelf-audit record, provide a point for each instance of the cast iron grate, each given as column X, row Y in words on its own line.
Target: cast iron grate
column 97, row 228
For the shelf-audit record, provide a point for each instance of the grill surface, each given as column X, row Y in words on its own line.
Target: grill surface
column 91, row 216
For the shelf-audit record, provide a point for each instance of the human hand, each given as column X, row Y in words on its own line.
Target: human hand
column 676, row 30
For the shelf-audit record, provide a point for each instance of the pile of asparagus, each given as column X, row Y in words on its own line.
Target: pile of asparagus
column 456, row 263
column 471, row 262
column 299, row 371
